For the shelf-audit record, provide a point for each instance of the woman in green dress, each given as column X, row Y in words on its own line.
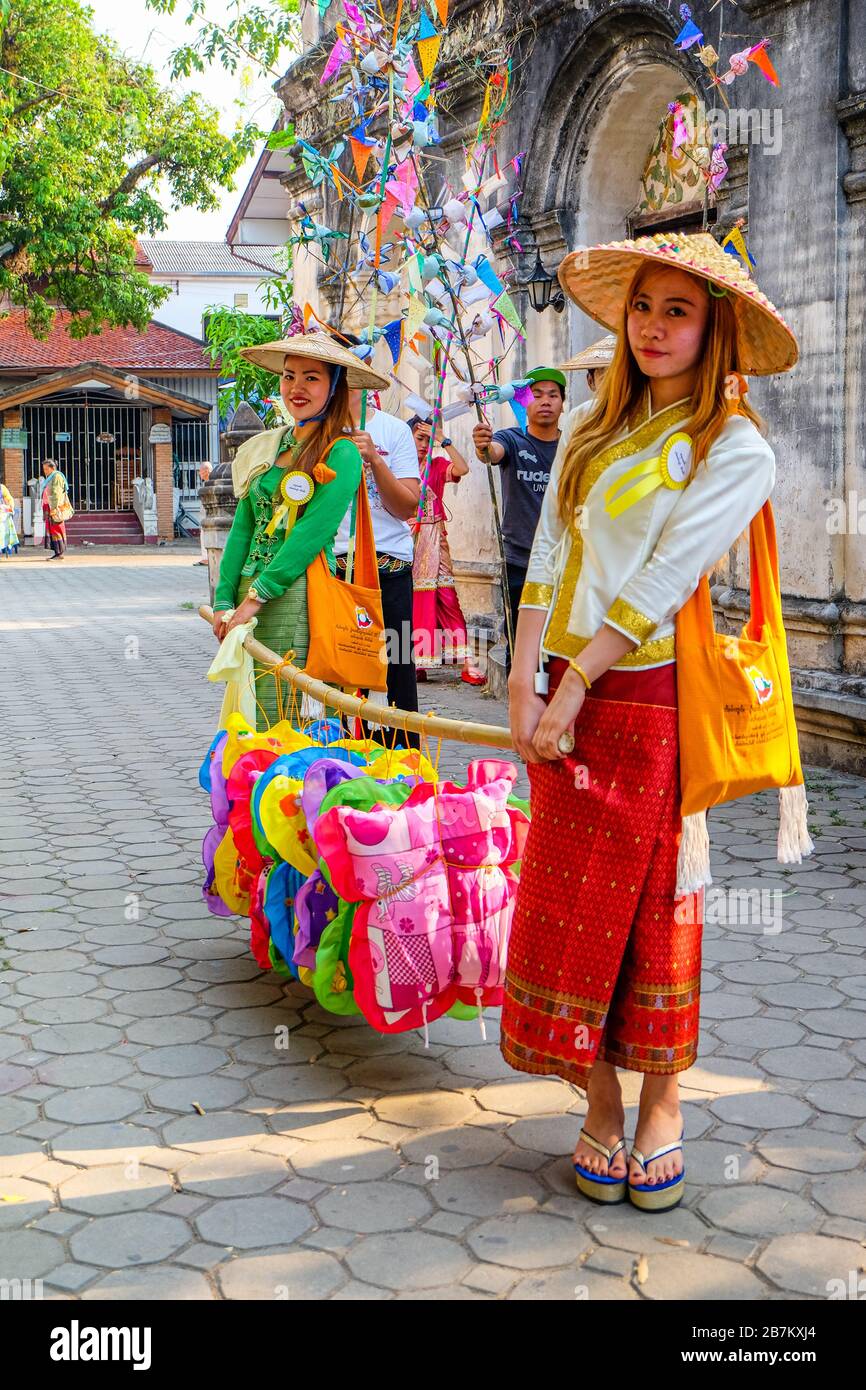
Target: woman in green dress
column 283, row 521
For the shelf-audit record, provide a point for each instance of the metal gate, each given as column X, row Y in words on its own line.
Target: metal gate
column 99, row 446
column 190, row 447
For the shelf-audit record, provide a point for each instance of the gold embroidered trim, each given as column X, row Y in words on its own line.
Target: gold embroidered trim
column 536, row 595
column 558, row 638
column 635, row 623
column 654, row 653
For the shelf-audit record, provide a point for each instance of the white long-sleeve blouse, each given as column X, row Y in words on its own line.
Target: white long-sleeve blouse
column 634, row 569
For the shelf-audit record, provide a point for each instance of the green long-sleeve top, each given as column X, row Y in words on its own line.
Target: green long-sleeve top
column 276, row 561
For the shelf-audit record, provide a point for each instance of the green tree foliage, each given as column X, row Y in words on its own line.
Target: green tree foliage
column 254, row 35
column 89, row 141
column 228, row 331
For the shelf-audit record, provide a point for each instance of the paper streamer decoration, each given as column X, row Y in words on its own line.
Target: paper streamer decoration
column 417, row 406
column 442, row 11
column 487, row 275
column 414, row 317
column 393, row 335
column 361, row 154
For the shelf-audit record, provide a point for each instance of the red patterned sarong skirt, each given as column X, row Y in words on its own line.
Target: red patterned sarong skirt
column 603, row 960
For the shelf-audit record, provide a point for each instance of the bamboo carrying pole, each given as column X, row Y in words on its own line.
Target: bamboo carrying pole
column 489, row 735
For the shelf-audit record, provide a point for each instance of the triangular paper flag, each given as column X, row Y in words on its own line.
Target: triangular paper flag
column 324, row 6
column 426, row 27
column 393, row 335
column 361, row 155
column 338, row 55
column 442, row 11
column 519, row 414
column 487, row 275
column 504, row 306
column 689, row 34
column 413, row 80
column 759, row 57
column 428, row 52
column 414, row 317
column 386, row 212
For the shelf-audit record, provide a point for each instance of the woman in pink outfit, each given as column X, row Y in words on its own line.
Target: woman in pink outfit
column 439, row 626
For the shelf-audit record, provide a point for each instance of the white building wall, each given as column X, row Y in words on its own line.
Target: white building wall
column 192, row 296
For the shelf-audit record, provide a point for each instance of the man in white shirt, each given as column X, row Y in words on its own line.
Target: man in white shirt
column 394, row 488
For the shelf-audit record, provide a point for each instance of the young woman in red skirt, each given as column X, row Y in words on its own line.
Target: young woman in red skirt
column 658, row 477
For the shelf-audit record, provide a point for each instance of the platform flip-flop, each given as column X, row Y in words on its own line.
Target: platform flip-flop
column 596, row 1186
column 658, row 1196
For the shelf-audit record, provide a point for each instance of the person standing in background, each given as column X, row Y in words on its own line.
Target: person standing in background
column 439, row 625
column 526, row 458
column 8, row 534
column 56, row 508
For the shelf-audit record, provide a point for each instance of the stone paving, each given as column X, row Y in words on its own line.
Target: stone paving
column 156, row 1143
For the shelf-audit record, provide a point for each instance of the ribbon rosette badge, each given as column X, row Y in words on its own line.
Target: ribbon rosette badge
column 296, row 489
column 670, row 469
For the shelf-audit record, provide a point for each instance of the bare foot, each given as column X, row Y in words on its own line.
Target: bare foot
column 660, row 1122
column 605, row 1121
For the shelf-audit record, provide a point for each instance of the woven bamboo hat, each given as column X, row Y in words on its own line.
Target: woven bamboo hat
column 321, row 348
column 598, row 279
column 598, row 354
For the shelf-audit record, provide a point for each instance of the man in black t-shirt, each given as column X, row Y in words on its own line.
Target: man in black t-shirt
column 526, row 458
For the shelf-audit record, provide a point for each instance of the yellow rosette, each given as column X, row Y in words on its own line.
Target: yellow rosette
column 670, row 469
column 296, row 489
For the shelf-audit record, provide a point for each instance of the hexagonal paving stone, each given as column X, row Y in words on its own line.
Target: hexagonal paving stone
column 154, row 1003
column 242, row 996
column 817, row 1266
column 535, row 1096
column 285, row 1275
column 93, row 1105
column 687, row 1275
column 485, row 1062
column 76, row 1037
column 299, row 1082
column 364, row 1041
column 843, row 1196
column 757, row 1033
column 22, row 1202
column 402, row 1073
column 839, row 1097
column 213, row 1133
column 247, row 1223
column 436, row 1109
column 210, row 1092
column 89, row 1146
column 837, row 1023
column 81, row 1070
column 113, row 1189
column 235, row 1174
column 766, row 1110
column 712, row 1162
column 724, row 1076
column 810, row 1151
column 16, row 1114
column 184, row 1059
column 624, row 1227
column 344, row 1160
column 139, row 1237
column 82, row 1009
column 18, row 1156
column 257, row 1023
column 551, row 1134
column 566, row 1285
column 324, row 1119
column 488, row 1191
column 29, row 1254
column 759, row 1211
column 166, row 1032
column 408, row 1260
column 54, row 983
column 466, row 1146
column 528, row 1241
column 806, row 1063
column 163, row 1283
column 373, row 1206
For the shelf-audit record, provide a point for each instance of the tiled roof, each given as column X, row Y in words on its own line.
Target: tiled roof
column 209, row 258
column 157, row 348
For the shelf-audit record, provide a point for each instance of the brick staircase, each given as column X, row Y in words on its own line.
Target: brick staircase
column 104, row 528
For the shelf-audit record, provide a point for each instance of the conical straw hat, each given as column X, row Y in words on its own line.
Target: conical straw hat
column 598, row 279
column 321, row 348
column 598, row 354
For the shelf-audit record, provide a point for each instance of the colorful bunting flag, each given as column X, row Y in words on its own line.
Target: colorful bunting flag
column 393, row 335
column 504, row 305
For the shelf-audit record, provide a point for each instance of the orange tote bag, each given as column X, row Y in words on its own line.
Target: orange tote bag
column 736, row 711
column 347, row 631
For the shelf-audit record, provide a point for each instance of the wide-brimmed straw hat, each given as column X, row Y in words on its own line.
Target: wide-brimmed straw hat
column 598, row 354
column 598, row 279
column 321, row 348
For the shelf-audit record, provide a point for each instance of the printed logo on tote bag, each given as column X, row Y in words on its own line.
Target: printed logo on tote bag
column 763, row 685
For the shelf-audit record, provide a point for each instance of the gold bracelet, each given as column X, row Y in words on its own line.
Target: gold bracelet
column 580, row 671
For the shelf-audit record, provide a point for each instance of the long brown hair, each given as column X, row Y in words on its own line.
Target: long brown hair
column 337, row 422
column 624, row 385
